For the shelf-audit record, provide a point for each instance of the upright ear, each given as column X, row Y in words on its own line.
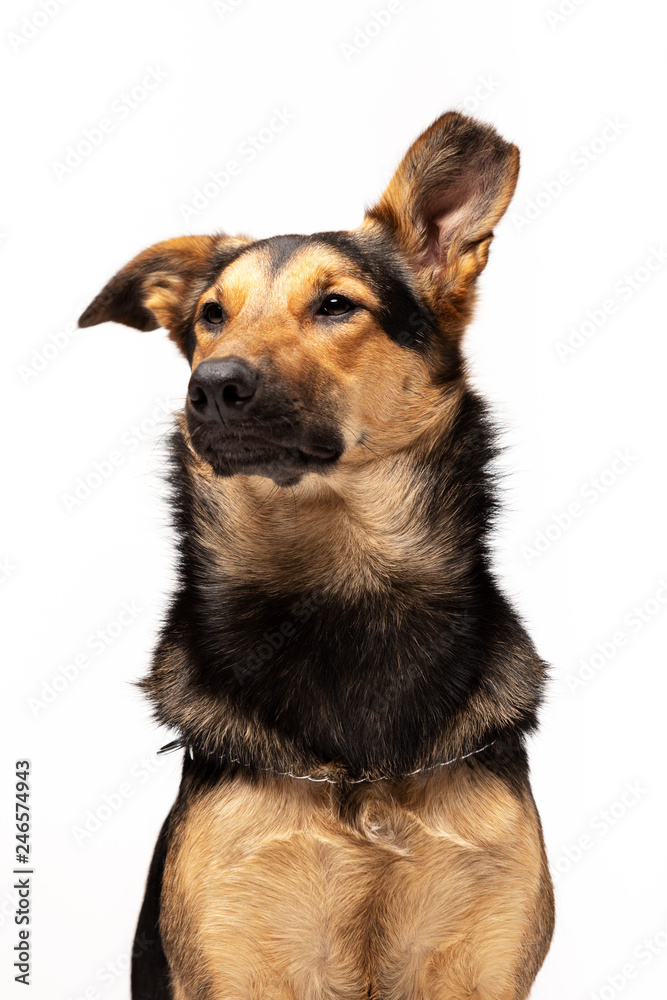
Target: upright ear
column 161, row 286
column 450, row 190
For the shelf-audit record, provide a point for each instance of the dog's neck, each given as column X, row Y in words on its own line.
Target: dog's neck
column 353, row 533
column 352, row 619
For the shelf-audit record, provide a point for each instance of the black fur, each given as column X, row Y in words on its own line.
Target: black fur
column 150, row 970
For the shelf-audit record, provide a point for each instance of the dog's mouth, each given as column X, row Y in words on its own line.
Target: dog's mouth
column 251, row 451
column 318, row 451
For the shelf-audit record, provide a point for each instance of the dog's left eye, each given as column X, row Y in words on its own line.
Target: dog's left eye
column 335, row 305
column 212, row 313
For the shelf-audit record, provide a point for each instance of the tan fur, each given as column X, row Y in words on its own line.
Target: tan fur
column 370, row 531
column 436, row 891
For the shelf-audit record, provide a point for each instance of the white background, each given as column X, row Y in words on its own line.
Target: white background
column 548, row 82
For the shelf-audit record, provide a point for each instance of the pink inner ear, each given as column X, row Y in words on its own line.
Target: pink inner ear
column 441, row 232
column 448, row 217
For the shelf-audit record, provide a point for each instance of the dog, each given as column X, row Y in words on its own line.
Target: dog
column 350, row 688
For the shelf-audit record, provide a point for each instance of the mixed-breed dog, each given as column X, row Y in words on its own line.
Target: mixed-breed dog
column 350, row 688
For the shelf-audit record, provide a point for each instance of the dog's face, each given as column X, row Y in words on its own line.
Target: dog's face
column 306, row 352
column 315, row 352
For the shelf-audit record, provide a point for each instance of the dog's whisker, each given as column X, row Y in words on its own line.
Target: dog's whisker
column 271, row 493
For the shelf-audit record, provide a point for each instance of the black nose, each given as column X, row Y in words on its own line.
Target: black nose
column 221, row 388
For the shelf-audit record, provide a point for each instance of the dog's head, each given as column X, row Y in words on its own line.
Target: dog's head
column 310, row 352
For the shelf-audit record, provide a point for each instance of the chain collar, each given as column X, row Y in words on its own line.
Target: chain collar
column 191, row 750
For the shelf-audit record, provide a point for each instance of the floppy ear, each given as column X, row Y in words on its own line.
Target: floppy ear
column 161, row 286
column 450, row 190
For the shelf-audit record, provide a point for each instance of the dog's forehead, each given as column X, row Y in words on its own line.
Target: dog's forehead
column 292, row 263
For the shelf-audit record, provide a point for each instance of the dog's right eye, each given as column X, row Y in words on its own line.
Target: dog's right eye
column 212, row 313
column 335, row 305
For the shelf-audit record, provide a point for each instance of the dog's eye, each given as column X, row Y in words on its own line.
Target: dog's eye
column 335, row 305
column 213, row 313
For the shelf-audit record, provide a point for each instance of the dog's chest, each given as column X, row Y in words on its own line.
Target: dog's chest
column 267, row 893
